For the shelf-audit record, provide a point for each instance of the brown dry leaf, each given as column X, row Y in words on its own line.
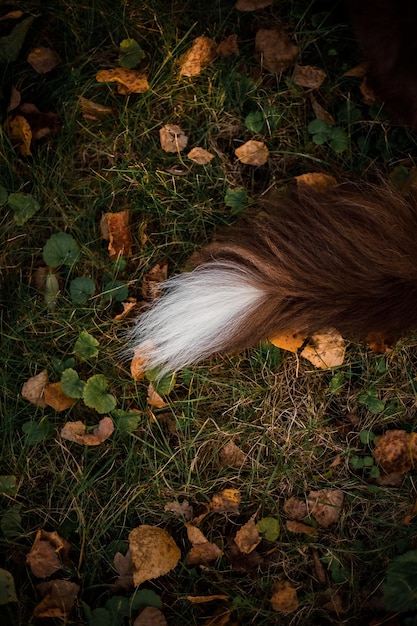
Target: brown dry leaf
column 252, row 153
column 247, row 537
column 20, row 133
column 202, row 599
column 252, row 5
column 116, row 230
column 295, row 508
column 56, row 398
column 138, row 363
column 123, row 565
column 317, row 181
column 226, row 501
column 309, row 76
column 288, row 341
column 334, row 602
column 200, row 156
column 183, row 509
column 151, row 282
column 228, row 46
column 203, row 551
column 154, row 553
column 359, row 71
column 320, row 112
column 325, row 505
column 284, row 597
column 12, row 15
column 241, row 562
column 59, row 597
column 395, row 479
column 172, row 138
column 300, row 528
column 92, row 111
column 202, row 52
column 150, row 616
column 379, row 343
column 15, row 99
column 154, row 399
column 43, row 558
column 319, row 567
column 231, row 455
column 43, row 60
column 128, row 307
column 128, row 81
column 42, row 123
column 274, row 49
column 396, row 451
column 33, row 388
column 75, row 431
column 369, row 96
column 328, row 350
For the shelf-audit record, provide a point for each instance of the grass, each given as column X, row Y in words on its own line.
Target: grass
column 298, row 426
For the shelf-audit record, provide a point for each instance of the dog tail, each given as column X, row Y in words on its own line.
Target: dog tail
column 207, row 310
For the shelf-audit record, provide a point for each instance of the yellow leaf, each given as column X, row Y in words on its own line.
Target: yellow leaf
column 252, row 153
column 317, row 181
column 200, row 156
column 20, row 133
column 328, row 350
column 288, row 341
column 226, row 501
column 284, row 597
column 128, row 81
column 154, row 553
column 201, row 54
column 56, row 398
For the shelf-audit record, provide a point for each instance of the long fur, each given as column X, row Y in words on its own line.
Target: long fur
column 307, row 261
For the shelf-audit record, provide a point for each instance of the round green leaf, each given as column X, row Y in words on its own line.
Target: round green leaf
column 61, row 249
column 236, row 199
column 81, row 289
column 8, row 486
column 162, row 384
column 86, row 346
column 269, row 528
column 116, row 290
column 71, row 384
column 255, row 121
column 23, row 206
column 95, row 395
column 130, row 53
column 36, row 432
column 339, row 140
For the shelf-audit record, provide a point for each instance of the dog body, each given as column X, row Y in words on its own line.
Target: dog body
column 306, row 261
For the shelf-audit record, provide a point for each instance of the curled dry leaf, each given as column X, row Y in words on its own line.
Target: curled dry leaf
column 151, row 282
column 200, row 55
column 44, row 556
column 226, row 501
column 309, row 76
column 274, row 49
column 150, row 616
column 300, row 528
column 58, row 599
column 92, row 111
column 252, row 5
column 247, row 537
column 116, row 230
column 137, row 365
column 231, row 455
column 172, row 138
column 320, row 112
column 396, row 451
column 75, row 431
column 128, row 80
column 325, row 505
column 183, row 509
column 43, row 60
column 284, row 597
column 154, row 399
column 328, row 350
column 203, row 551
column 288, row 341
column 202, row 599
column 128, row 307
column 228, row 46
column 33, row 388
column 200, row 156
column 252, row 153
column 317, row 181
column 154, row 553
column 56, row 398
column 295, row 508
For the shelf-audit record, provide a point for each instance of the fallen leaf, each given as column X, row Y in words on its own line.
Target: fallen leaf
column 123, row 564
column 43, row 60
column 203, row 551
column 33, row 388
column 241, row 562
column 183, row 509
column 116, row 230
column 150, row 616
column 320, row 112
column 58, row 599
column 202, row 599
column 317, row 181
column 228, row 46
column 368, row 94
column 200, row 156
column 359, row 71
column 15, row 99
column 7, row 587
column 284, row 597
column 252, row 5
column 328, row 350
column 247, row 537
column 274, row 49
column 226, row 501
column 295, row 508
column 396, row 451
column 151, row 282
column 300, row 528
column 154, row 399
column 44, row 556
column 92, row 111
column 319, row 567
column 42, row 123
column 252, row 153
column 128, row 80
column 76, row 431
column 128, row 307
column 334, row 601
column 20, row 134
column 325, row 505
column 288, row 341
column 199, row 56
column 172, row 138
column 308, row 76
column 154, row 553
column 138, row 363
column 394, row 479
column 56, row 398
column 379, row 343
column 231, row 455
column 12, row 15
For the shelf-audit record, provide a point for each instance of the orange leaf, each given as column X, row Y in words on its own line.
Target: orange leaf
column 115, row 228
column 154, row 399
column 284, row 597
column 20, row 133
column 75, row 431
column 248, row 537
column 274, row 49
column 56, row 398
column 43, row 60
column 226, row 501
column 154, row 553
column 317, row 181
column 252, row 153
column 288, row 341
column 128, row 81
column 201, row 54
